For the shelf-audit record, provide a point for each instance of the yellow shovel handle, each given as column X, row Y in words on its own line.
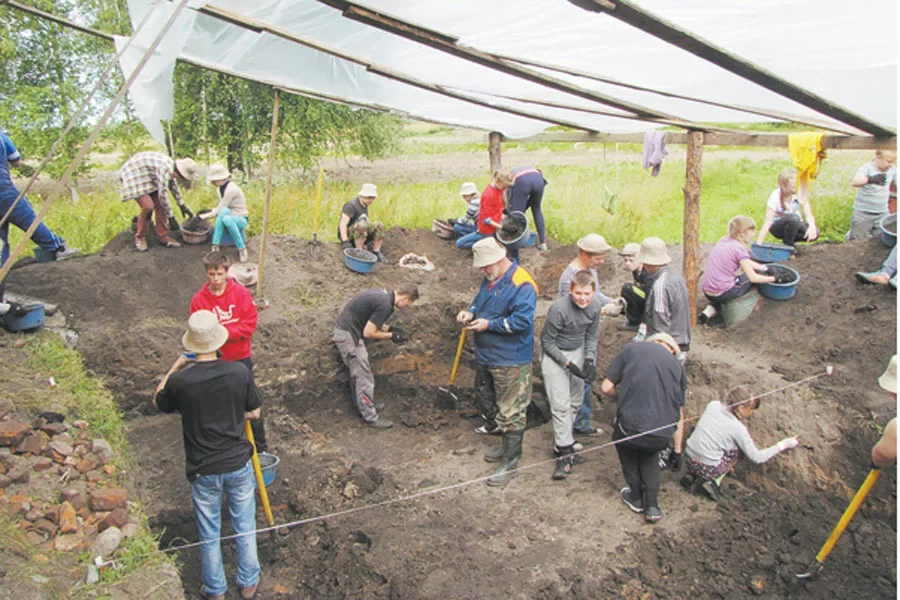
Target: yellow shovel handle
column 263, row 494
column 459, row 349
column 848, row 514
column 318, row 199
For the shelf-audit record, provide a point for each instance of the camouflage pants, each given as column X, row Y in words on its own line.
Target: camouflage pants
column 367, row 230
column 510, row 390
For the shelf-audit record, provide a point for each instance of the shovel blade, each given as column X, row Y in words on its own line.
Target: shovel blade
column 815, row 567
column 446, row 399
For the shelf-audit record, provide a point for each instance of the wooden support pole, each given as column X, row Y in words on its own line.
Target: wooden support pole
column 691, row 242
column 265, row 225
column 494, row 150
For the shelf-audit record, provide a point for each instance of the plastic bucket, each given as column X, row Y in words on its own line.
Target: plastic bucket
column 268, row 463
column 780, row 291
column 361, row 261
column 739, row 310
column 770, row 252
column 24, row 318
column 888, row 237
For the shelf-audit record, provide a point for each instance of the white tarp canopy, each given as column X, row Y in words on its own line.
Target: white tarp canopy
column 829, row 47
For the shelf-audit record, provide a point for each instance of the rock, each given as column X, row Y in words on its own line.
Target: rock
column 19, row 475
column 94, row 476
column 60, row 450
column 33, row 515
column 758, row 584
column 4, row 481
column 18, row 504
column 34, row 538
column 68, row 518
column 12, row 432
column 42, row 463
column 129, row 530
column 117, row 518
column 102, row 449
column 80, row 424
column 88, row 463
column 54, row 428
column 33, row 443
column 93, row 575
column 65, row 438
column 6, row 407
column 107, row 542
column 45, row 526
column 52, row 515
column 73, row 497
column 68, row 542
column 107, row 499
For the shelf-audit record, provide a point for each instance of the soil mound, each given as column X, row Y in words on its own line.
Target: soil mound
column 562, row 540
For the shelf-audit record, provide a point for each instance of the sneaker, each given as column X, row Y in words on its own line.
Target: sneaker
column 214, row 248
column 380, row 423
column 484, row 430
column 64, row 253
column 576, row 447
column 711, row 489
column 653, row 515
column 140, row 245
column 249, row 592
column 542, row 247
column 634, row 505
column 381, row 256
column 877, row 277
column 243, row 255
column 628, row 326
column 593, row 431
column 172, row 244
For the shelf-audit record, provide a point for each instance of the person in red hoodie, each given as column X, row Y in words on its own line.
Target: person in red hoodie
column 233, row 305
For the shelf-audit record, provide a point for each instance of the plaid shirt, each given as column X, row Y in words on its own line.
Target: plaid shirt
column 148, row 172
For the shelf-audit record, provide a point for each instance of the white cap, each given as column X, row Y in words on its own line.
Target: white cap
column 653, row 252
column 368, row 190
column 468, row 188
column 487, row 252
column 888, row 379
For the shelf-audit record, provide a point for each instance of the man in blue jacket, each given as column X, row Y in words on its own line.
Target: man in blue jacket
column 502, row 319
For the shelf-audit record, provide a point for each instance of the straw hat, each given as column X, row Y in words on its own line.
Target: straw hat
column 888, row 379
column 187, row 167
column 630, row 249
column 204, row 333
column 653, row 252
column 368, row 190
column 668, row 340
column 594, row 243
column 217, row 172
column 487, row 252
column 468, row 188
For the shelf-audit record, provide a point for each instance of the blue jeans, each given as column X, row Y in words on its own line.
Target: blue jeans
column 462, row 229
column 234, row 225
column 22, row 217
column 583, row 418
column 467, row 241
column 206, row 492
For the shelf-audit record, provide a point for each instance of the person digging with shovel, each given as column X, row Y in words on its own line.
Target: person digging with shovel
column 502, row 319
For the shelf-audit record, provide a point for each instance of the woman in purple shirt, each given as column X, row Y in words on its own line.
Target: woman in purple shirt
column 729, row 269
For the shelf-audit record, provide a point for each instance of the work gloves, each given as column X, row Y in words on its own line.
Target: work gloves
column 346, row 244
column 676, row 461
column 574, row 369
column 173, row 224
column 185, row 211
column 589, row 371
column 878, row 179
column 787, row 444
column 397, row 335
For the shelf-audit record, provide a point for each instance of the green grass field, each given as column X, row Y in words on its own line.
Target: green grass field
column 572, row 203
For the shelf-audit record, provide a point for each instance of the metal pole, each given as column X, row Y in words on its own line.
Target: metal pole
column 265, row 225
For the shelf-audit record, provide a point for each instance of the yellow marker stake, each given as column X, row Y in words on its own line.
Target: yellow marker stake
column 263, row 494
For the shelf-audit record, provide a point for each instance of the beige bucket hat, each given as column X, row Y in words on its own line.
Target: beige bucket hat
column 630, row 249
column 187, row 167
column 888, row 379
column 204, row 333
column 468, row 188
column 368, row 190
column 668, row 340
column 594, row 243
column 217, row 172
column 487, row 252
column 653, row 252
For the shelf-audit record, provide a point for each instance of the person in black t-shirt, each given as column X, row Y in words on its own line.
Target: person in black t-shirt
column 364, row 317
column 354, row 229
column 649, row 383
column 214, row 398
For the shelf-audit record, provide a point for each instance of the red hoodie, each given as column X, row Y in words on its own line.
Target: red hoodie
column 236, row 311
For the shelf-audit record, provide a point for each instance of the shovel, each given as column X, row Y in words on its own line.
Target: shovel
column 815, row 567
column 449, row 396
column 315, row 244
column 257, row 470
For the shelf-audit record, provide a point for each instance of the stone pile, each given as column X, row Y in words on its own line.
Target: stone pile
column 59, row 483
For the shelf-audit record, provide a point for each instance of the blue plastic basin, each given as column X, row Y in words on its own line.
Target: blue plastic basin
column 362, row 263
column 268, row 463
column 889, row 238
column 780, row 291
column 767, row 253
column 30, row 316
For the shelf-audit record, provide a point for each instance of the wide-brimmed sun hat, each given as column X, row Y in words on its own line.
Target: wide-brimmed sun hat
column 668, row 340
column 217, row 172
column 204, row 333
column 888, row 379
column 594, row 243
column 468, row 188
column 653, row 252
column 487, row 252
column 630, row 249
column 187, row 167
column 368, row 190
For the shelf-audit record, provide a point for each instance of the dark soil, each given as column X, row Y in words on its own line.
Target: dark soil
column 533, row 538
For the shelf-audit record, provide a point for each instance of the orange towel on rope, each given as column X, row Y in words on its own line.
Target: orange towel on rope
column 806, row 154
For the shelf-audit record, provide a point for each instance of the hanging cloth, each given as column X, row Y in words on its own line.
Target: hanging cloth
column 806, row 155
column 655, row 151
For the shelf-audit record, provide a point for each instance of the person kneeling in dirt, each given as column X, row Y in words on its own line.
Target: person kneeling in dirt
column 712, row 450
column 231, row 214
column 233, row 305
column 730, row 272
column 569, row 346
column 884, row 276
column 783, row 219
column 884, row 452
column 634, row 293
column 468, row 222
column 873, row 183
column 667, row 309
column 502, row 317
column 147, row 178
column 490, row 209
column 649, row 383
column 355, row 230
column 214, row 398
column 365, row 318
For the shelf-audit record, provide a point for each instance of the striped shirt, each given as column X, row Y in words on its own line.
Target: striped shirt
column 148, row 172
column 471, row 215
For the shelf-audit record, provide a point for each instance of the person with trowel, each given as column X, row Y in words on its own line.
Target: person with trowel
column 468, row 223
column 502, row 319
column 365, row 317
column 354, row 229
column 147, row 178
column 568, row 366
column 719, row 438
column 634, row 292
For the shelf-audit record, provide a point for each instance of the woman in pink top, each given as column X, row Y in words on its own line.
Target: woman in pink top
column 729, row 269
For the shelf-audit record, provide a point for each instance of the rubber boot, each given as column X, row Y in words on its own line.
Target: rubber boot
column 512, row 440
column 497, row 453
column 564, row 463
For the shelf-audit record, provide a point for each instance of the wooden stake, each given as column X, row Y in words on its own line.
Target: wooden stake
column 691, row 242
column 265, row 225
column 494, row 150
